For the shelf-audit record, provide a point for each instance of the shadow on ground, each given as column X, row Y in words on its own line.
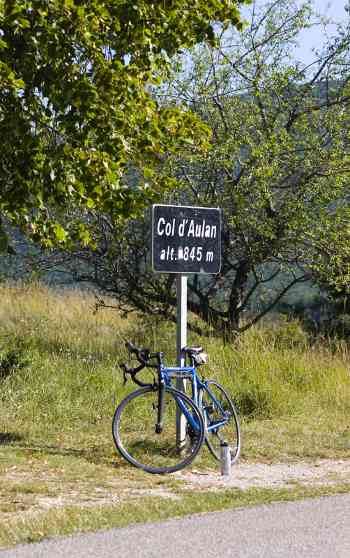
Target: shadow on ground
column 9, row 437
column 97, row 455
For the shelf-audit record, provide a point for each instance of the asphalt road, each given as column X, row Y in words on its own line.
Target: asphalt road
column 317, row 528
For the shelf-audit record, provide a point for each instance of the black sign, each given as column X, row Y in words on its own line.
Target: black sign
column 186, row 239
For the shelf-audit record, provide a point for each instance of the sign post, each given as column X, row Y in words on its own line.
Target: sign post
column 185, row 240
column 181, row 342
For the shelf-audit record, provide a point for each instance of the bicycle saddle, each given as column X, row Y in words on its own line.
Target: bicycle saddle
column 196, row 354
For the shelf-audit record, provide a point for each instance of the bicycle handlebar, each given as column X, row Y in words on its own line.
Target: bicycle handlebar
column 143, row 356
column 132, row 372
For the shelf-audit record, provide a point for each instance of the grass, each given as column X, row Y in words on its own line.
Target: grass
column 60, row 385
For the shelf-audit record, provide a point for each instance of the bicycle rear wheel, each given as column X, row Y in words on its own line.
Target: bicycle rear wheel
column 135, row 434
column 217, row 407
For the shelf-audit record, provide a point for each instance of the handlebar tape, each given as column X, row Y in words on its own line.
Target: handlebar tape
column 132, row 372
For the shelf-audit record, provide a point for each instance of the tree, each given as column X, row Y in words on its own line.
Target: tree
column 278, row 167
column 76, row 112
column 331, row 268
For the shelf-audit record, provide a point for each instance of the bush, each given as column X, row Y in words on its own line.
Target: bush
column 10, row 361
column 339, row 326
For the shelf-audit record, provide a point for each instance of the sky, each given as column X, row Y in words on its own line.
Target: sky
column 314, row 36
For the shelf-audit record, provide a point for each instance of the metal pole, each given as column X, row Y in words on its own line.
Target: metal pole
column 181, row 342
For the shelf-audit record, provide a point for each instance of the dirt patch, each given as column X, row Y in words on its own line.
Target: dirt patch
column 277, row 475
column 29, row 493
column 34, row 492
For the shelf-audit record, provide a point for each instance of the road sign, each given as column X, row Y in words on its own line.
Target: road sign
column 186, row 239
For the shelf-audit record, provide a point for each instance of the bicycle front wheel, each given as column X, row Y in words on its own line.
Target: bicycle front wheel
column 220, row 420
column 136, row 438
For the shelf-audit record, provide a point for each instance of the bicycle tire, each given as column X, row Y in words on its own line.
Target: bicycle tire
column 230, row 432
column 134, row 434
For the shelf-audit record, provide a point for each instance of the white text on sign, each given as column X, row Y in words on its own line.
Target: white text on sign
column 187, row 228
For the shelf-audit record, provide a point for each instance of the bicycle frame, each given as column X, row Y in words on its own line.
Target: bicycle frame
column 166, row 374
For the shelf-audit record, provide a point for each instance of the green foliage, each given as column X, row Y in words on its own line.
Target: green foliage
column 332, row 265
column 76, row 107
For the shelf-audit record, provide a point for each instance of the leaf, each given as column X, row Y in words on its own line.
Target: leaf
column 60, row 232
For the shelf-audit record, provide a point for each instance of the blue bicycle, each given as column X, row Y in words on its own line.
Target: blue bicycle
column 145, row 425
